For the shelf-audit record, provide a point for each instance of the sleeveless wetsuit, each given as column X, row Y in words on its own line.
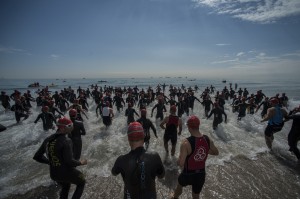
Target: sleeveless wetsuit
column 194, row 167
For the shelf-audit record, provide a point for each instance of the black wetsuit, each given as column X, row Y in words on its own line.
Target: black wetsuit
column 139, row 169
column 294, row 134
column 171, row 129
column 19, row 112
column 47, row 119
column 147, row 124
column 62, row 165
column 206, row 103
column 75, row 136
column 5, row 101
column 160, row 110
column 218, row 112
column 129, row 113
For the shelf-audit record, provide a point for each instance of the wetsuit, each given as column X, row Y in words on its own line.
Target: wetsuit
column 160, row 110
column 139, row 169
column 265, row 105
column 171, row 129
column 218, row 112
column 118, row 100
column 75, row 136
column 47, row 119
column 191, row 100
column 294, row 134
column 147, row 124
column 193, row 172
column 62, row 165
column 206, row 103
column 19, row 112
column 129, row 113
column 5, row 101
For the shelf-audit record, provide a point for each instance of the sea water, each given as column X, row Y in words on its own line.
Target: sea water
column 237, row 141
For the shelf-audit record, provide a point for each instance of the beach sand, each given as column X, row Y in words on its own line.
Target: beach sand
column 268, row 176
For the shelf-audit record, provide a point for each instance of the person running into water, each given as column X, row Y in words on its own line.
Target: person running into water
column 47, row 118
column 218, row 112
column 59, row 157
column 5, row 100
column 139, row 167
column 147, row 124
column 76, row 134
column 107, row 114
column 194, row 151
column 161, row 108
column 274, row 116
column 129, row 113
column 172, row 122
column 294, row 134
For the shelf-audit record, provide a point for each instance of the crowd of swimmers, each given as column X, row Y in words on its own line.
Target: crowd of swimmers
column 64, row 152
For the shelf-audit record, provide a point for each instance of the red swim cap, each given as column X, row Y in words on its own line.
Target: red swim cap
column 73, row 113
column 135, row 131
column 274, row 101
column 193, row 122
column 64, row 122
column 173, row 109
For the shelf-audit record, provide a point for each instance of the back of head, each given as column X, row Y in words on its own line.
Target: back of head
column 173, row 109
column 143, row 112
column 274, row 101
column 135, row 132
column 64, row 123
column 193, row 122
column 73, row 113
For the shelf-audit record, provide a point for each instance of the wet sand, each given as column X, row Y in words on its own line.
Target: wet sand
column 268, row 177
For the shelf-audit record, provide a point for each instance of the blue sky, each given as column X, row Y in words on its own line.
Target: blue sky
column 149, row 38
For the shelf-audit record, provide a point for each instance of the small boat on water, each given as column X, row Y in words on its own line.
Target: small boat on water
column 102, row 81
column 52, row 85
column 224, row 81
column 34, row 85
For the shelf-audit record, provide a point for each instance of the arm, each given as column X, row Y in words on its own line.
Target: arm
column 38, row 118
column 179, row 126
column 116, row 168
column 183, row 153
column 39, row 155
column 166, row 119
column 213, row 150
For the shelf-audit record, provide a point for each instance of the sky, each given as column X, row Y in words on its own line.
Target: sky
column 149, row 38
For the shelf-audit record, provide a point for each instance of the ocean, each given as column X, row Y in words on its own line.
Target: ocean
column 245, row 168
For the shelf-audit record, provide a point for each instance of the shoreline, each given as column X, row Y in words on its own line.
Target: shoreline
column 239, row 178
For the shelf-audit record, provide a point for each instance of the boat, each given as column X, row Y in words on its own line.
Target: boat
column 224, row 81
column 102, row 81
column 52, row 85
column 34, row 85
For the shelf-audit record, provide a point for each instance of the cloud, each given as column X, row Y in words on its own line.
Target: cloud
column 240, row 54
column 223, row 44
column 55, row 57
column 225, row 61
column 259, row 11
column 13, row 50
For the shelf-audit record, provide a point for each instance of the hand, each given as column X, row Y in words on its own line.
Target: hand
column 83, row 162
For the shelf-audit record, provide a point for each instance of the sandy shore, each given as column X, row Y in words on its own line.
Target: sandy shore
column 270, row 176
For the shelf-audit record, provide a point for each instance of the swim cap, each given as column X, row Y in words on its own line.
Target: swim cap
column 274, row 101
column 173, row 109
column 193, row 122
column 73, row 113
column 135, row 131
column 64, row 122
